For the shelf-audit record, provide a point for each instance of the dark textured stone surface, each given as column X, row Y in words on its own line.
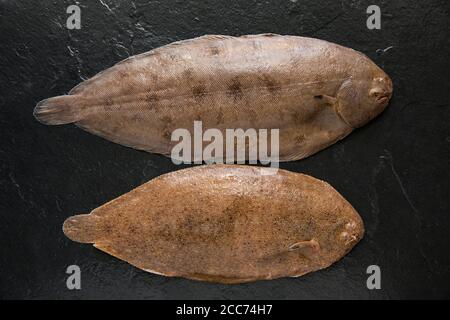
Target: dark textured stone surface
column 394, row 170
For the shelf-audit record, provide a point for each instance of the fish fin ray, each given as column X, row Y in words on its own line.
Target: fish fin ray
column 79, row 88
column 267, row 34
column 295, row 155
column 207, row 37
column 58, row 110
column 84, row 228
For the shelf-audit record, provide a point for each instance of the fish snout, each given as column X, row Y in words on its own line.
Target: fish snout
column 381, row 90
column 351, row 233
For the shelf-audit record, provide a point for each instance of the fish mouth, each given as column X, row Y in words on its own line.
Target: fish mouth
column 386, row 90
column 383, row 99
column 353, row 232
column 380, row 95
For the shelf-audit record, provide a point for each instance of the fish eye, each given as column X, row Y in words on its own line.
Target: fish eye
column 379, row 95
column 351, row 225
column 348, row 235
column 376, row 92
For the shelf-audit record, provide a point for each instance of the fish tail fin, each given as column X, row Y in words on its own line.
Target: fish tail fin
column 58, row 110
column 84, row 228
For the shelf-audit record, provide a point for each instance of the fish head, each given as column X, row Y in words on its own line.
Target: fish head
column 359, row 101
column 349, row 233
column 340, row 232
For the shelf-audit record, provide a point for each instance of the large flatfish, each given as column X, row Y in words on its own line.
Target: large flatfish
column 224, row 223
column 315, row 92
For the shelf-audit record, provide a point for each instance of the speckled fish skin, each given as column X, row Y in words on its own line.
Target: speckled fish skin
column 224, row 223
column 314, row 91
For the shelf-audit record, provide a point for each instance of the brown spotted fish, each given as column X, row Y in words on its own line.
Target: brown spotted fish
column 315, row 92
column 224, row 223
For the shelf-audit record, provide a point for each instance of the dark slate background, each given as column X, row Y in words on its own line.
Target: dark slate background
column 395, row 170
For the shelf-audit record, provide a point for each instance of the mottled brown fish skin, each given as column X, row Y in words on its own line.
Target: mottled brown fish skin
column 224, row 223
column 314, row 91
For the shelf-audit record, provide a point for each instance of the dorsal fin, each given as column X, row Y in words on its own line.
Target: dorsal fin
column 267, row 34
column 81, row 86
column 207, row 37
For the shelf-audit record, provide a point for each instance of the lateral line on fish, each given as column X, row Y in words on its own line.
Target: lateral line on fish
column 211, row 93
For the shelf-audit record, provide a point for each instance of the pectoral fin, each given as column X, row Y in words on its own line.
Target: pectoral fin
column 326, row 100
column 312, row 245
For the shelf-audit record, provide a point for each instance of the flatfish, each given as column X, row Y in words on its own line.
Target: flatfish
column 315, row 92
column 224, row 223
